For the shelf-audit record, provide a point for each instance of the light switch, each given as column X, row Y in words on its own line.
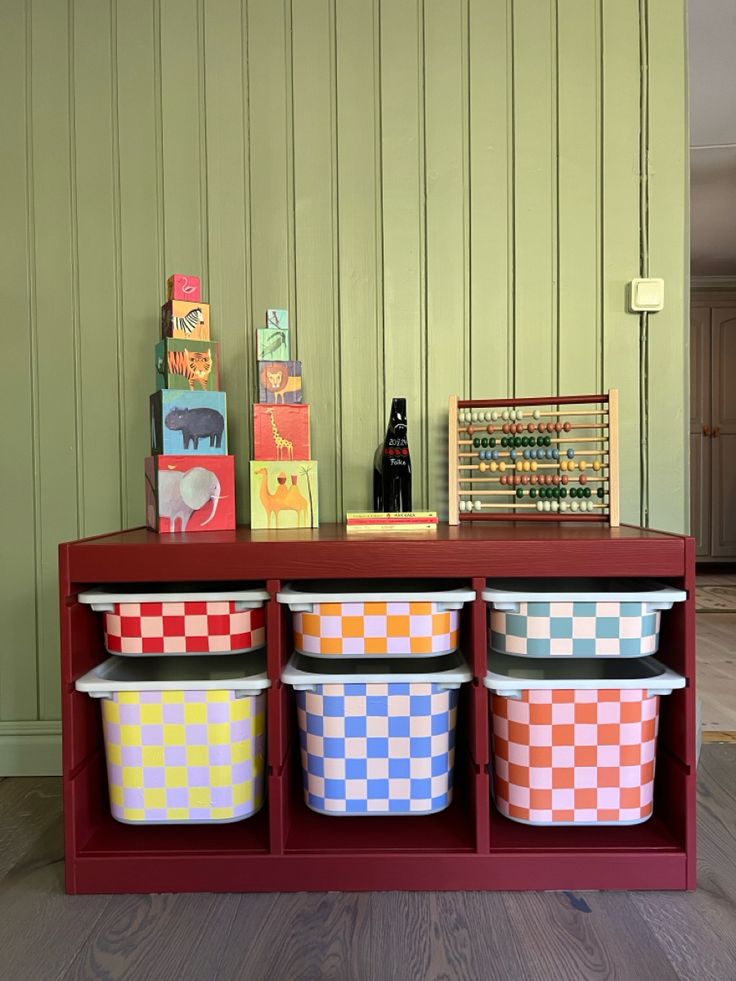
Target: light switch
column 646, row 294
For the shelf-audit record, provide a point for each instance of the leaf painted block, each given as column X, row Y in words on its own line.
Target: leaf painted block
column 273, row 344
column 281, row 432
column 188, row 423
column 280, row 382
column 277, row 318
column 189, row 365
column 187, row 494
column 283, row 494
column 179, row 287
column 188, row 320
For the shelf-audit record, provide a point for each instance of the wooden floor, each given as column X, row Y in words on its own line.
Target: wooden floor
column 717, row 664
column 349, row 937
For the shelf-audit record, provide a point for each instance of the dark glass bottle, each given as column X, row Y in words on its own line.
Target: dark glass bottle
column 392, row 464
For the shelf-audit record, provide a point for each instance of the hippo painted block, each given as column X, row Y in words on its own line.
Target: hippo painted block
column 188, row 422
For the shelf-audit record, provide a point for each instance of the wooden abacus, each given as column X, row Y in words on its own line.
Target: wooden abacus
column 534, row 459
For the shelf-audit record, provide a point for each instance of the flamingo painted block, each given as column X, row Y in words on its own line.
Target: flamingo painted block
column 180, row 287
column 185, row 493
column 283, row 494
column 281, row 432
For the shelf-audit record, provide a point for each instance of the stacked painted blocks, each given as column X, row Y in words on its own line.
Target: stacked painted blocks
column 283, row 477
column 190, row 478
column 574, row 734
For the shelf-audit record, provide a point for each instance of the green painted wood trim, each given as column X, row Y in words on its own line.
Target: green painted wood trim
column 30, row 749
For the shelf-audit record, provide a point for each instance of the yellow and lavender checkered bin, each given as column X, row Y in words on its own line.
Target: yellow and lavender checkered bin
column 186, row 750
column 371, row 619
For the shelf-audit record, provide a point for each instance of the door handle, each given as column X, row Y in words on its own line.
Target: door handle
column 706, row 430
column 716, row 432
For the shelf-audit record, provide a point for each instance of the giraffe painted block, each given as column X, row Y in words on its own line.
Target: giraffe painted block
column 280, row 382
column 180, row 287
column 281, row 432
column 192, row 365
column 179, row 318
column 283, row 494
column 273, row 344
column 277, row 318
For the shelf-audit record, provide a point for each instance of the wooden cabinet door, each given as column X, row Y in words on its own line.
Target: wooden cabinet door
column 723, row 442
column 700, row 443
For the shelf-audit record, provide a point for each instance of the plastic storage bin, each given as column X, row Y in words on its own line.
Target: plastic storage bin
column 214, row 621
column 367, row 619
column 184, row 740
column 578, row 618
column 575, row 742
column 377, row 738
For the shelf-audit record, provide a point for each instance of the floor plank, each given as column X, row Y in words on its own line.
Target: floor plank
column 27, row 808
column 716, row 663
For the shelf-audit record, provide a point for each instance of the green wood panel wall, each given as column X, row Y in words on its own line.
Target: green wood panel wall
column 448, row 195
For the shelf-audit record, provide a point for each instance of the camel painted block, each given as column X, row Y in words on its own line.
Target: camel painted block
column 180, row 287
column 180, row 318
column 185, row 493
column 277, row 318
column 273, row 344
column 283, row 494
column 189, row 365
column 280, row 382
column 188, row 422
column 281, row 432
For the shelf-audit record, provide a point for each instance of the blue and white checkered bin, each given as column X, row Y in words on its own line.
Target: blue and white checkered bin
column 377, row 739
column 578, row 617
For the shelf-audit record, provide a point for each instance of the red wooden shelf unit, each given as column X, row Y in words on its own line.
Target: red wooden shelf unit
column 288, row 847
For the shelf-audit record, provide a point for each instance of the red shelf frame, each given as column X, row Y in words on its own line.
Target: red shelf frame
column 287, row 847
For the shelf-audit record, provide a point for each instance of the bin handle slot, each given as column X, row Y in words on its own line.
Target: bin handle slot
column 445, row 607
column 506, row 607
column 301, row 607
column 654, row 606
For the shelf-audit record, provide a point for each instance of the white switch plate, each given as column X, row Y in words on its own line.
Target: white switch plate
column 646, row 294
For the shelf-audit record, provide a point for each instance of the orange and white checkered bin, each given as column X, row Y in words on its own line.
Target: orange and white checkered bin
column 572, row 750
column 364, row 619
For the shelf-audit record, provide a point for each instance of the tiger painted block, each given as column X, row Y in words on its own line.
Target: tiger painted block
column 190, row 321
column 189, row 365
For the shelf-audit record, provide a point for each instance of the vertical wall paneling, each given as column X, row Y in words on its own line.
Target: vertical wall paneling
column 668, row 258
column 227, row 210
column 578, row 86
column 18, row 674
column 97, row 251
column 448, row 342
column 315, row 183
column 620, row 258
column 359, row 235
column 491, row 199
column 402, row 172
column 535, row 234
column 58, row 456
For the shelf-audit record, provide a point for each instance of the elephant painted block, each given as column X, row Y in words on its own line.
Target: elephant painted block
column 188, row 422
column 183, row 494
column 180, row 318
column 277, row 318
column 273, row 344
column 281, row 432
column 280, row 382
column 179, row 287
column 188, row 365
column 283, row 494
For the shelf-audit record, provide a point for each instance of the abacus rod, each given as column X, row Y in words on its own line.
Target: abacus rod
column 601, row 399
column 463, row 427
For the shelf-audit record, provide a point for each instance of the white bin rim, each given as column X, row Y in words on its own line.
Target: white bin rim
column 581, row 591
column 374, row 591
column 242, row 673
column 508, row 674
column 102, row 599
column 304, row 672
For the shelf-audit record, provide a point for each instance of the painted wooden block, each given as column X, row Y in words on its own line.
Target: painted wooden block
column 277, row 318
column 280, row 382
column 188, row 423
column 192, row 365
column 273, row 344
column 186, row 494
column 180, row 287
column 283, row 494
column 179, row 318
column 281, row 432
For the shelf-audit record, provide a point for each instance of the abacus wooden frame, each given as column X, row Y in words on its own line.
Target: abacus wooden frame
column 609, row 399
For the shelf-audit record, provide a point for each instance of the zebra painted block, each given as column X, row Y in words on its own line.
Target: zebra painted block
column 277, row 318
column 281, row 432
column 188, row 423
column 179, row 318
column 273, row 344
column 180, row 287
column 189, row 365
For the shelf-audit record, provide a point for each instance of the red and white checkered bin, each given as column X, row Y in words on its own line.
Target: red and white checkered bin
column 136, row 623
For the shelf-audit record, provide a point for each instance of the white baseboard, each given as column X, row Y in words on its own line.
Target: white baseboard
column 30, row 749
